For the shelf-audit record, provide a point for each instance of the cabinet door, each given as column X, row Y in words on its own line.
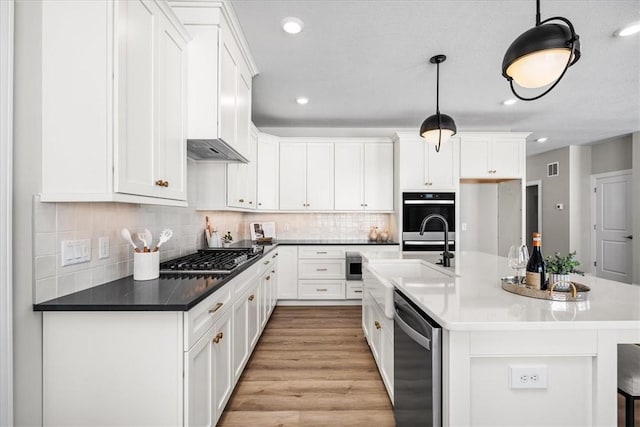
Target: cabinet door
column 199, row 407
column 274, row 288
column 171, row 151
column 349, row 176
column 253, row 322
column 366, row 313
column 378, row 177
column 293, row 176
column 474, row 158
column 320, row 176
column 235, row 172
column 507, row 156
column 222, row 343
column 440, row 170
column 243, row 112
column 240, row 334
column 267, row 181
column 287, row 272
column 252, row 172
column 412, row 155
column 137, row 55
column 265, row 298
column 228, row 90
column 386, row 368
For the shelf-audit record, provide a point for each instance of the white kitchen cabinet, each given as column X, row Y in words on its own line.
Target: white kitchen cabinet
column 253, row 322
column 199, row 393
column 241, row 178
column 124, row 121
column 287, row 286
column 241, row 342
column 492, row 156
column 422, row 168
column 364, row 176
column 223, row 378
column 306, row 176
column 268, row 171
column 221, row 69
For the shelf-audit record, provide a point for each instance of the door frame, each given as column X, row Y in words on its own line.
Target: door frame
column 6, row 207
column 537, row 183
column 593, row 178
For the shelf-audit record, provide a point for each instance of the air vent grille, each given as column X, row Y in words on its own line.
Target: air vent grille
column 552, row 169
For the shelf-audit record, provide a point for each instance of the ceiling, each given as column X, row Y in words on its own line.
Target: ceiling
column 364, row 64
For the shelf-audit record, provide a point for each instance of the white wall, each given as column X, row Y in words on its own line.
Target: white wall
column 479, row 211
column 611, row 155
column 636, row 208
column 6, row 195
column 580, row 204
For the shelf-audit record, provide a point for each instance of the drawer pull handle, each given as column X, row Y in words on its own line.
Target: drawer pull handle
column 358, row 291
column 162, row 183
column 218, row 337
column 321, row 253
column 252, row 297
column 216, row 308
column 321, row 289
column 268, row 278
column 241, row 200
column 378, row 325
column 321, row 269
column 274, row 255
column 273, row 271
column 266, row 262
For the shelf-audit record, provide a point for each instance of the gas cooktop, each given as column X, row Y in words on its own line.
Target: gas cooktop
column 206, row 261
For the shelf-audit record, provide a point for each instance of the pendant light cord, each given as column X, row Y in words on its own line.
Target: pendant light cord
column 537, row 13
column 438, row 106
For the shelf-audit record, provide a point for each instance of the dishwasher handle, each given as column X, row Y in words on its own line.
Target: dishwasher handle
column 412, row 333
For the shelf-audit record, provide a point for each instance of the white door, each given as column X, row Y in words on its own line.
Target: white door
column 199, row 410
column 240, row 334
column 222, row 361
column 320, row 176
column 378, row 177
column 267, row 172
column 613, row 228
column 293, row 176
column 349, row 177
column 253, row 319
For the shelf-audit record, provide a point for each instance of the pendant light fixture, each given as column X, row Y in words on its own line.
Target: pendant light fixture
column 541, row 55
column 438, row 128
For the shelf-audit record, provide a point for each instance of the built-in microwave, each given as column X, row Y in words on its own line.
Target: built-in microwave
column 353, row 266
column 415, row 208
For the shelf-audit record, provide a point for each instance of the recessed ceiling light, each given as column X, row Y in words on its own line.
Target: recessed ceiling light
column 628, row 30
column 302, row 100
column 543, row 139
column 292, row 25
column 509, row 101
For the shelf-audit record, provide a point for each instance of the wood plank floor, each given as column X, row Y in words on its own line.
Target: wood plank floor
column 311, row 367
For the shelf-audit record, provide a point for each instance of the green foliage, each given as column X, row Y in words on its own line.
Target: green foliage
column 558, row 264
column 227, row 238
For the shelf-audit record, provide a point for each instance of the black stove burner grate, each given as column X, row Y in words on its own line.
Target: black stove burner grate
column 209, row 260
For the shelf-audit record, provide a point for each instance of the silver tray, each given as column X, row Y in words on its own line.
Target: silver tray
column 576, row 291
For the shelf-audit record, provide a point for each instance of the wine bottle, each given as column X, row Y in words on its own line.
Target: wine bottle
column 536, row 267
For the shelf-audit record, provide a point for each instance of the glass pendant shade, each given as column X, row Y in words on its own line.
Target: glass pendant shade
column 433, row 134
column 540, row 55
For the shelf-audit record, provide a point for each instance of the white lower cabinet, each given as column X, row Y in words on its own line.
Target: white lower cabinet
column 253, row 313
column 321, row 289
column 223, row 378
column 378, row 329
column 288, row 272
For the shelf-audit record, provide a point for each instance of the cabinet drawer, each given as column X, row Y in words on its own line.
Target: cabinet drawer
column 321, row 289
column 354, row 289
column 201, row 317
column 331, row 252
column 268, row 261
column 381, row 323
column 321, row 269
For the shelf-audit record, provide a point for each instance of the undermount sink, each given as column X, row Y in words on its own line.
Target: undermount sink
column 417, row 272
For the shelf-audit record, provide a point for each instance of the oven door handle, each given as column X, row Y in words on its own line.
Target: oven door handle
column 413, row 334
column 429, row 202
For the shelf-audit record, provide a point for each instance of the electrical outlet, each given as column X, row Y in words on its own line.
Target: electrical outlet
column 528, row 376
column 286, row 227
column 103, row 247
column 464, row 226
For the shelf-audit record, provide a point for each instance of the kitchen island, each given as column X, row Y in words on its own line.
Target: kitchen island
column 487, row 332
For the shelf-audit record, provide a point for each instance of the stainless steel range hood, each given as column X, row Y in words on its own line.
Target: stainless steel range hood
column 213, row 149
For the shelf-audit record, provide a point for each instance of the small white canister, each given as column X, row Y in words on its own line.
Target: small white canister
column 146, row 265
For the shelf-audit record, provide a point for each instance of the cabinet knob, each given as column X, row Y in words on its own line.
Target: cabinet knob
column 365, row 205
column 216, row 308
column 378, row 325
column 259, row 204
column 241, row 200
column 218, row 337
column 273, row 271
column 252, row 297
column 428, row 183
column 161, row 183
column 266, row 262
column 268, row 278
column 250, row 202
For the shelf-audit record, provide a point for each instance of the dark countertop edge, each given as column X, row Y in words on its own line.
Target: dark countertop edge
column 330, row 243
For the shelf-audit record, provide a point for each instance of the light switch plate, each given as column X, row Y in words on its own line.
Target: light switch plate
column 103, row 247
column 75, row 251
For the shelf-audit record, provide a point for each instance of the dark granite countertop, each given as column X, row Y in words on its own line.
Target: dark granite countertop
column 172, row 292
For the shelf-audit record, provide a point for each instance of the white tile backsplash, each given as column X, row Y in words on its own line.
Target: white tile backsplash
column 55, row 222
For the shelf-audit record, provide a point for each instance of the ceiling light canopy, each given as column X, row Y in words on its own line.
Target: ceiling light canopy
column 292, row 25
column 302, row 100
column 508, row 102
column 628, row 30
column 543, row 139
column 541, row 55
column 438, row 128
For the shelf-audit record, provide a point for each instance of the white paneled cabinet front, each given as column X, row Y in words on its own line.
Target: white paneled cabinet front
column 306, row 176
column 267, row 182
column 363, row 176
column 125, row 119
column 287, row 272
column 241, row 178
column 492, row 156
column 422, row 168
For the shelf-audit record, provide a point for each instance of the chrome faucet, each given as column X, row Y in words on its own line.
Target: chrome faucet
column 446, row 255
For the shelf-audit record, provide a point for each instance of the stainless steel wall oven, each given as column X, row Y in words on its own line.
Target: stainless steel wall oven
column 417, row 206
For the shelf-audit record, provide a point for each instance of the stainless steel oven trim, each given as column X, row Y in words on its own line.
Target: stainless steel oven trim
column 429, row 202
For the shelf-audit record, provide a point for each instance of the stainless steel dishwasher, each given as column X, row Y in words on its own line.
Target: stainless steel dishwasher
column 417, row 360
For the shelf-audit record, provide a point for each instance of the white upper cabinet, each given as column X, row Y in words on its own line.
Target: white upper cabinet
column 422, row 168
column 241, row 178
column 267, row 182
column 119, row 135
column 306, row 176
column 492, row 155
column 220, row 75
column 363, row 176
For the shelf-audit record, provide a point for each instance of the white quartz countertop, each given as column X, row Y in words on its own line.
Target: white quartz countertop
column 469, row 296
